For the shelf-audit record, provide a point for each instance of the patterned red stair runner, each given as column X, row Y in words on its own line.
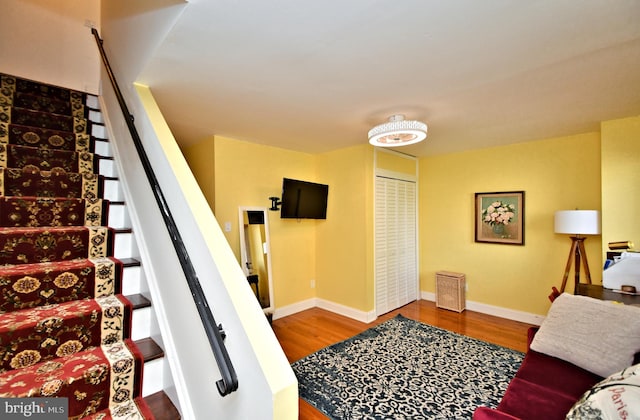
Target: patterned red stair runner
column 40, row 119
column 22, row 135
column 57, row 211
column 51, row 105
column 92, row 379
column 42, row 333
column 14, row 156
column 30, row 285
column 36, row 183
column 26, row 245
column 64, row 327
column 11, row 84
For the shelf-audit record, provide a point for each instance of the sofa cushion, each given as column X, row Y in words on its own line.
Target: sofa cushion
column 599, row 336
column 529, row 401
column 487, row 413
column 617, row 396
column 556, row 374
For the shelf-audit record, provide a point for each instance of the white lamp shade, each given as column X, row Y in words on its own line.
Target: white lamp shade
column 577, row 222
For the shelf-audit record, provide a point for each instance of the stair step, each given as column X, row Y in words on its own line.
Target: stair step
column 138, row 301
column 21, row 211
column 98, row 130
column 130, row 262
column 141, row 321
column 124, row 243
column 150, row 349
column 95, row 116
column 32, row 118
column 102, row 147
column 132, row 276
column 35, row 183
column 111, row 188
column 95, row 322
column 92, row 101
column 154, row 365
column 104, row 184
column 118, row 215
column 162, row 407
column 72, row 242
column 106, row 166
column 88, row 278
column 71, row 161
column 23, row 135
column 70, row 374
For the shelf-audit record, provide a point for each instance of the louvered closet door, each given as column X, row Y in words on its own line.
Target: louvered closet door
column 396, row 268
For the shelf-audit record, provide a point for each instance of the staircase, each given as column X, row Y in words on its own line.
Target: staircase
column 74, row 320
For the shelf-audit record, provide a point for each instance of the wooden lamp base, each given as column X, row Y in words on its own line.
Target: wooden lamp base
column 577, row 254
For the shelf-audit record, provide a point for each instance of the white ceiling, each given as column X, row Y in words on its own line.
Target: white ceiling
column 315, row 76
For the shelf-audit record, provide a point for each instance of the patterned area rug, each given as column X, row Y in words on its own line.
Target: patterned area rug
column 404, row 369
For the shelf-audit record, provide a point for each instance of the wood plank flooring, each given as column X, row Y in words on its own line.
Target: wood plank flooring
column 306, row 332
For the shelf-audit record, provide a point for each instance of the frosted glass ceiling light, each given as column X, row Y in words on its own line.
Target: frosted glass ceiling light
column 397, row 132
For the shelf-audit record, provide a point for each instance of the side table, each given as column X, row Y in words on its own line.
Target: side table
column 598, row 292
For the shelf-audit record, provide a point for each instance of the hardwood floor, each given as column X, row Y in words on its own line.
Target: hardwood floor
column 306, row 332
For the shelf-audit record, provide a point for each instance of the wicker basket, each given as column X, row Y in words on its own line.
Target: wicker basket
column 450, row 291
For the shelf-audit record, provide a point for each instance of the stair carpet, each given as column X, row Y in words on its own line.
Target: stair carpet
column 63, row 319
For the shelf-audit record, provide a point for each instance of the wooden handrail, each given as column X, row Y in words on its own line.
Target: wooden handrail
column 215, row 333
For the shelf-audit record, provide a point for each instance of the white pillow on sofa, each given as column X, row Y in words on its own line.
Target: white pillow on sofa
column 616, row 397
column 599, row 336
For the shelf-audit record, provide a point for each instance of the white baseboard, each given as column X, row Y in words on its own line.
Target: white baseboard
column 347, row 311
column 370, row 316
column 498, row 311
column 294, row 308
column 336, row 308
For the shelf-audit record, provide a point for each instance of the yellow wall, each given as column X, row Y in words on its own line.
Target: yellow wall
column 345, row 246
column 201, row 161
column 336, row 253
column 620, row 181
column 556, row 174
column 391, row 160
column 247, row 174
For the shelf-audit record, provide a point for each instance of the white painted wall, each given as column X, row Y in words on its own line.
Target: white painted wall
column 48, row 41
column 267, row 385
column 132, row 31
column 55, row 46
column 268, row 388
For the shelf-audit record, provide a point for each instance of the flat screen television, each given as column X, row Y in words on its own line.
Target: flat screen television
column 303, row 200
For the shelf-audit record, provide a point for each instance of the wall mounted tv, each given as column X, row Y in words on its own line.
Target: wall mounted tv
column 303, row 200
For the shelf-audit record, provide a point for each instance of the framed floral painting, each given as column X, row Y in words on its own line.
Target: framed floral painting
column 500, row 217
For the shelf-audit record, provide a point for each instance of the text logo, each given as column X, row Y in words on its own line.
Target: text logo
column 34, row 408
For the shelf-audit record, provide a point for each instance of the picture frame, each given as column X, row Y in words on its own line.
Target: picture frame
column 499, row 217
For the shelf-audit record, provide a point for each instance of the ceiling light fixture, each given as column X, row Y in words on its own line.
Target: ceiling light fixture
column 397, row 132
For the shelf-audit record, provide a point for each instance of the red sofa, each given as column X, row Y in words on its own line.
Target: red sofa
column 544, row 387
column 581, row 341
